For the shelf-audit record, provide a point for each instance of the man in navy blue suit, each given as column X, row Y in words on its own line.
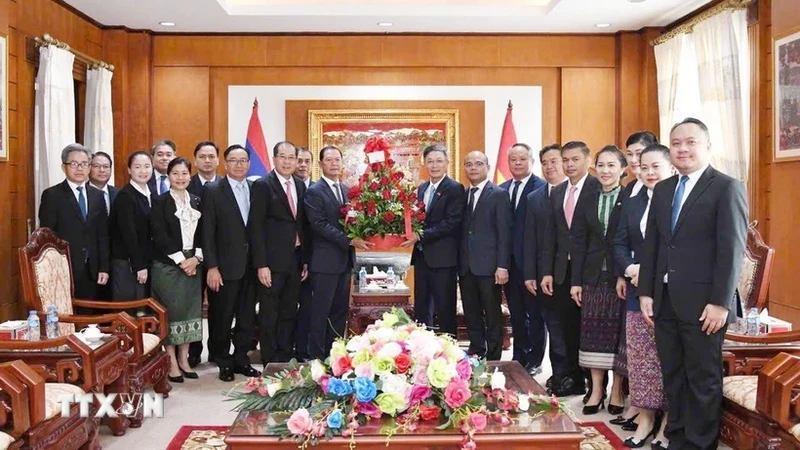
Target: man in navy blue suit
column 526, row 319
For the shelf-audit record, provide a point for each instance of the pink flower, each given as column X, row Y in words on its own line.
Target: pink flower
column 457, row 393
column 300, row 422
column 478, row 421
column 365, row 370
column 369, row 409
column 262, row 391
column 464, row 369
column 469, row 445
column 341, row 365
column 419, row 393
column 421, row 375
column 252, row 384
column 318, row 429
column 323, row 382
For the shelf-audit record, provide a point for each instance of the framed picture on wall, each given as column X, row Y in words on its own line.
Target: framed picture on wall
column 408, row 131
column 787, row 98
column 4, row 97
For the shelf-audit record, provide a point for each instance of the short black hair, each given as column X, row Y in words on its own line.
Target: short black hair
column 303, row 149
column 166, row 142
column 326, row 148
column 549, row 148
column 646, row 138
column 613, row 149
column 133, row 156
column 203, row 144
column 280, row 144
column 692, row 120
column 104, row 155
column 656, row 148
column 435, row 148
column 179, row 160
column 235, row 147
column 576, row 144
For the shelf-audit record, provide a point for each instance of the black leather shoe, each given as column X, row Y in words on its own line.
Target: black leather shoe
column 621, row 420
column 552, row 381
column 568, row 387
column 631, row 426
column 247, row 371
column 533, row 369
column 194, row 361
column 226, row 374
column 178, row 379
column 189, row 375
column 589, row 410
column 615, row 410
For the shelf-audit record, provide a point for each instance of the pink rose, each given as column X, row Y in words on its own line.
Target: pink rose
column 323, row 382
column 341, row 365
column 300, row 422
column 478, row 421
column 419, row 393
column 368, row 409
column 365, row 370
column 464, row 369
column 457, row 393
column 469, row 445
column 421, row 375
column 262, row 391
column 252, row 384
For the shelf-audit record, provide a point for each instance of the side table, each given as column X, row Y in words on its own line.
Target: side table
column 366, row 308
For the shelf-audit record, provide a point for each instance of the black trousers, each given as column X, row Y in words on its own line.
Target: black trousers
column 196, row 348
column 691, row 363
column 303, row 322
column 527, row 321
column 277, row 312
column 124, row 284
column 435, row 291
column 329, row 315
column 481, row 299
column 235, row 298
column 570, row 320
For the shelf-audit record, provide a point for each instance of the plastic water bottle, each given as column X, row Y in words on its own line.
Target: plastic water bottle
column 52, row 322
column 33, row 327
column 362, row 279
column 753, row 322
column 390, row 276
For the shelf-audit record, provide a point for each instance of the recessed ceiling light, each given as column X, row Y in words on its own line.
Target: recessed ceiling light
column 602, row 25
column 636, row 1
column 385, row 24
column 167, row 24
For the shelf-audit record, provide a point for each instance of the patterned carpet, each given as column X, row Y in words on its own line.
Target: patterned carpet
column 597, row 436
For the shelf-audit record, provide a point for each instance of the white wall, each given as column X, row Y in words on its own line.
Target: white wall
column 527, row 101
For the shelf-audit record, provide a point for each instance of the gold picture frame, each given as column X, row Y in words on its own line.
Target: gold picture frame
column 786, row 106
column 410, row 129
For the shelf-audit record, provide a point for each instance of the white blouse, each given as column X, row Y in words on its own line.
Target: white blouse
column 189, row 218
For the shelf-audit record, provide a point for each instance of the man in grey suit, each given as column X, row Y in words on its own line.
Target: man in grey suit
column 485, row 258
column 691, row 259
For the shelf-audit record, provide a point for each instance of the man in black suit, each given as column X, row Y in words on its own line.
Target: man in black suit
column 162, row 152
column 277, row 236
column 332, row 254
column 484, row 258
column 229, row 275
column 76, row 213
column 556, row 266
column 691, row 259
column 526, row 319
column 301, row 324
column 435, row 253
column 538, row 213
column 99, row 175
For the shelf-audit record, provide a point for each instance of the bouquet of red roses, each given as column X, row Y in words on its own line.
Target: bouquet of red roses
column 383, row 207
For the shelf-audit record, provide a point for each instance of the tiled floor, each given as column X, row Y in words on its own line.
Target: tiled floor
column 200, row 402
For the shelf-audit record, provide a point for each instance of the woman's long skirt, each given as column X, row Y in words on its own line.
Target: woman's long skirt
column 601, row 315
column 181, row 295
column 644, row 366
column 621, row 362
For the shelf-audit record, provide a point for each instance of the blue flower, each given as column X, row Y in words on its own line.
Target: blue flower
column 335, row 419
column 365, row 389
column 338, row 387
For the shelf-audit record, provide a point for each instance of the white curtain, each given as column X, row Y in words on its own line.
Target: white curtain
column 678, row 90
column 54, row 121
column 98, row 130
column 723, row 71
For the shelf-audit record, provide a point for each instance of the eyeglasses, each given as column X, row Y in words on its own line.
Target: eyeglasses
column 76, row 164
column 477, row 164
column 237, row 162
column 101, row 166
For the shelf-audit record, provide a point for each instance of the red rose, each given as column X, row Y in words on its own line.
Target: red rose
column 402, row 362
column 429, row 412
column 374, row 185
column 387, row 194
column 364, row 178
column 342, row 365
column 412, row 197
column 384, row 181
column 397, row 176
column 390, row 163
column 388, row 216
column 344, row 210
column 376, row 167
column 359, row 207
column 401, row 196
column 420, row 216
column 355, row 191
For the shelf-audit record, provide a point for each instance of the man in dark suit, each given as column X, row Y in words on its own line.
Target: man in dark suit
column 484, row 258
column 556, row 266
column 526, row 319
column 76, row 213
column 332, row 254
column 435, row 254
column 162, row 152
column 277, row 236
column 99, row 175
column 538, row 213
column 229, row 275
column 301, row 324
column 691, row 259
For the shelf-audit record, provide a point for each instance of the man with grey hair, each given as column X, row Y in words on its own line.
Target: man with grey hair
column 76, row 212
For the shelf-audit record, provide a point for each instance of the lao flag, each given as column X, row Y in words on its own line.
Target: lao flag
column 259, row 156
column 509, row 137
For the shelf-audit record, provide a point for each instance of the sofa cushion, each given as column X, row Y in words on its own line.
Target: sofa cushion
column 795, row 431
column 5, row 440
column 52, row 394
column 741, row 389
column 149, row 342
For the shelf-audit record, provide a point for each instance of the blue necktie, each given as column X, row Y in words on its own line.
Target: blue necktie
column 162, row 186
column 676, row 202
column 431, row 193
column 82, row 201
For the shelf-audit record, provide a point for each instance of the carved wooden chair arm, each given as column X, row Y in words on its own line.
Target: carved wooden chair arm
column 728, row 364
column 155, row 325
column 34, row 385
column 776, row 385
column 17, row 392
column 771, row 338
column 120, row 324
column 67, row 370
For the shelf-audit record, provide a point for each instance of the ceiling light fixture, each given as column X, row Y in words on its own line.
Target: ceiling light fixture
column 602, row 25
column 636, row 1
column 385, row 24
column 167, row 24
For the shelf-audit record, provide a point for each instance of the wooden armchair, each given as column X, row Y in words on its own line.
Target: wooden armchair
column 756, row 271
column 15, row 418
column 46, row 274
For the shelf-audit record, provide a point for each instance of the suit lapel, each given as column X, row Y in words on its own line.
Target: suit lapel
column 227, row 191
column 438, row 193
column 487, row 190
column 74, row 201
column 638, row 213
column 278, row 187
column 558, row 198
column 703, row 183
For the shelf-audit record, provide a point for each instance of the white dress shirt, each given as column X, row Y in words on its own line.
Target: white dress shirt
column 189, row 218
column 283, row 181
column 307, row 182
column 106, row 196
column 579, row 186
column 519, row 189
column 637, row 186
column 144, row 191
column 203, row 181
column 478, row 193
column 336, row 194
column 74, row 188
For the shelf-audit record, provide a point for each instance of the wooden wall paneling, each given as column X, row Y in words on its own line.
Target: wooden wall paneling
column 115, row 51
column 630, row 60
column 588, row 106
column 753, row 182
column 181, row 106
column 140, row 58
column 649, row 83
column 765, row 117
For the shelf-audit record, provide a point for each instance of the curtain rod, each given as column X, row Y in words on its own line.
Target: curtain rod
column 707, row 14
column 46, row 39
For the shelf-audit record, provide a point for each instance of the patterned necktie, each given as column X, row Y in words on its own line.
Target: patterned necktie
column 514, row 195
column 162, row 186
column 338, row 193
column 429, row 193
column 569, row 208
column 82, row 202
column 290, row 197
column 676, row 203
column 242, row 200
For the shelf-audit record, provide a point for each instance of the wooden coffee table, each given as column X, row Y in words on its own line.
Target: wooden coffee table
column 549, row 431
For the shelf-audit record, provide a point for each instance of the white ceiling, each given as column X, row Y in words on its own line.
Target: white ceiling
column 408, row 16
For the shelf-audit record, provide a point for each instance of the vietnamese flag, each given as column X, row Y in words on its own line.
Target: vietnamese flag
column 508, row 138
column 255, row 142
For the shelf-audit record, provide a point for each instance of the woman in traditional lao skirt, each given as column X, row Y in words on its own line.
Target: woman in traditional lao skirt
column 644, row 367
column 594, row 279
column 175, row 225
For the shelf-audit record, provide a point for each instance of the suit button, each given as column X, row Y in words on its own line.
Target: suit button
column 672, row 247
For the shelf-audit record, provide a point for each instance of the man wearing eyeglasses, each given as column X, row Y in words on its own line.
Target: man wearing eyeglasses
column 76, row 213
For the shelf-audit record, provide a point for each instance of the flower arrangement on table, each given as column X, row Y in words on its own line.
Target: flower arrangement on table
column 396, row 368
column 383, row 207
